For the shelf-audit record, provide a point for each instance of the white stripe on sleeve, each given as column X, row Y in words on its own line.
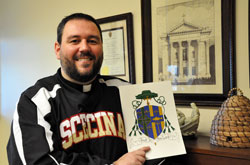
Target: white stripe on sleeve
column 18, row 136
column 41, row 99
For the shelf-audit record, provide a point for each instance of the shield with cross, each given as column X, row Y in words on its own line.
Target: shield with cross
column 150, row 120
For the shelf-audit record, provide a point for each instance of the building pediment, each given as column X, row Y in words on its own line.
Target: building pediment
column 184, row 27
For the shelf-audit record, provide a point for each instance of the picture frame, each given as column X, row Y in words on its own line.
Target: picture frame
column 118, row 45
column 228, row 68
column 249, row 39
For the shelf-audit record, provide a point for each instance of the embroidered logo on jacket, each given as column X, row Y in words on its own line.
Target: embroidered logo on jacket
column 92, row 125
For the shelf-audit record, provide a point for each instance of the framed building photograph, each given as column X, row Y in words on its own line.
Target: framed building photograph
column 191, row 44
column 118, row 46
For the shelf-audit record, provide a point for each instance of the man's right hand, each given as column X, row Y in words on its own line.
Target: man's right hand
column 137, row 157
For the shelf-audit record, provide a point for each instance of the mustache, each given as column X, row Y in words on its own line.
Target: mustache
column 82, row 55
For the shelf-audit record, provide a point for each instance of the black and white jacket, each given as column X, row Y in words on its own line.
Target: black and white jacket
column 58, row 122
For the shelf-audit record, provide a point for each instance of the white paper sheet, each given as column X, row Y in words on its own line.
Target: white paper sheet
column 150, row 119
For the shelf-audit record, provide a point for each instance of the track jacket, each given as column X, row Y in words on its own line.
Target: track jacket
column 58, row 122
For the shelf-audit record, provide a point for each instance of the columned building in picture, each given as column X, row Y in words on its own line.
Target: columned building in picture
column 185, row 54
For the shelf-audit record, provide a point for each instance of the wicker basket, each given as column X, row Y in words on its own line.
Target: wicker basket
column 231, row 125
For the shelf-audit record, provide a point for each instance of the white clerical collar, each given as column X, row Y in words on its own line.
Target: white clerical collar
column 86, row 88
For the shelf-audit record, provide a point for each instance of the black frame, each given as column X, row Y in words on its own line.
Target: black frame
column 130, row 38
column 228, row 55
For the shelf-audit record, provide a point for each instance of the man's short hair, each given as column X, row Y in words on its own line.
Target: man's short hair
column 71, row 17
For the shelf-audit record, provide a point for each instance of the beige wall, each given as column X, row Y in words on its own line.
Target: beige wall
column 5, row 131
column 242, row 45
column 28, row 32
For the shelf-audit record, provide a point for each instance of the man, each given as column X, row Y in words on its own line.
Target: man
column 73, row 117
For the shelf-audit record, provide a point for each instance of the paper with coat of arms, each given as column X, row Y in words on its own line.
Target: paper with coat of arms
column 150, row 119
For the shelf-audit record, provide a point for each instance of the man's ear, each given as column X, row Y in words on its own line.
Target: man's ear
column 57, row 50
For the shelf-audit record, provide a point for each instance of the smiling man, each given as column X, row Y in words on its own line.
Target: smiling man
column 73, row 117
column 80, row 51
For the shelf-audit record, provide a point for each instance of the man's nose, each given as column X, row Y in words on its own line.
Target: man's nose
column 84, row 46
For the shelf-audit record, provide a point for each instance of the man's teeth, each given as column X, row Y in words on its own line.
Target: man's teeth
column 85, row 59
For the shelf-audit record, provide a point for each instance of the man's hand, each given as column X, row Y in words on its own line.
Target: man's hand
column 137, row 157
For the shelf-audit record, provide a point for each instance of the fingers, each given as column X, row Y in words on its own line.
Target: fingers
column 141, row 154
column 133, row 158
column 145, row 149
column 142, row 151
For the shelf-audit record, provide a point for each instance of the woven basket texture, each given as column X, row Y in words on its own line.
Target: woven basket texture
column 231, row 125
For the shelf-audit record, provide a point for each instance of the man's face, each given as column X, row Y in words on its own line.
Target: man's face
column 80, row 52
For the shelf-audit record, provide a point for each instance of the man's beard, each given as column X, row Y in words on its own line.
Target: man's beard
column 71, row 70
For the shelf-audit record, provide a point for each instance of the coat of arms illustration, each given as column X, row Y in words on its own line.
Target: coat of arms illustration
column 150, row 120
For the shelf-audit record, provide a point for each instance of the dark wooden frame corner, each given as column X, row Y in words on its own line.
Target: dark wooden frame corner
column 130, row 39
column 228, row 55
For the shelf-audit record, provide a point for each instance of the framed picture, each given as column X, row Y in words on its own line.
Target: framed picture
column 249, row 38
column 118, row 46
column 192, row 44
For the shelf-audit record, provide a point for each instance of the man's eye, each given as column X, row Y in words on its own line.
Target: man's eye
column 93, row 41
column 74, row 41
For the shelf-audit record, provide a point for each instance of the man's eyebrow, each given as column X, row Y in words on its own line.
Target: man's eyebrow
column 95, row 37
column 78, row 36
column 73, row 36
